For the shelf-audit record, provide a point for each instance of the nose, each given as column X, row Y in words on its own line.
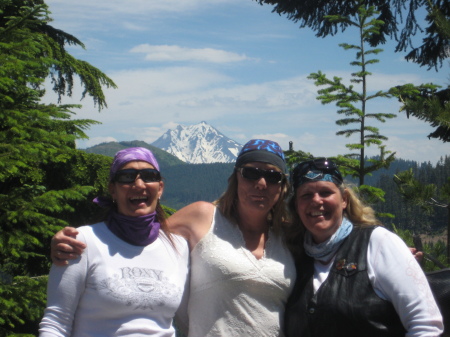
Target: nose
column 316, row 198
column 139, row 182
column 261, row 183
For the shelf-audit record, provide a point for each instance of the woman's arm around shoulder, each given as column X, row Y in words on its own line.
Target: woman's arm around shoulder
column 192, row 221
column 64, row 246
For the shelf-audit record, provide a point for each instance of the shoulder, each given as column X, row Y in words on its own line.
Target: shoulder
column 383, row 235
column 198, row 211
column 200, row 207
column 193, row 221
column 386, row 244
column 91, row 233
column 177, row 244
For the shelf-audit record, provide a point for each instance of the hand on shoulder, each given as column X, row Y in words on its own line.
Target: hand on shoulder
column 65, row 247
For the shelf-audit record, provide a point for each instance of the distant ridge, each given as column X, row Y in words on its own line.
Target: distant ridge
column 109, row 149
column 199, row 144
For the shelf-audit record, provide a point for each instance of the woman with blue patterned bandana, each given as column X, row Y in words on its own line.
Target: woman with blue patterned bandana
column 355, row 278
column 241, row 271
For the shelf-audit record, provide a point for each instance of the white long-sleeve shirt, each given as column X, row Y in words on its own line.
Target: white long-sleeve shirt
column 397, row 277
column 116, row 289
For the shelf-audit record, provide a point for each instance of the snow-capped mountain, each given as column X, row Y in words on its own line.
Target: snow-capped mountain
column 199, row 143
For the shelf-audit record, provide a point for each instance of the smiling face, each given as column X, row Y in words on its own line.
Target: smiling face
column 320, row 206
column 137, row 198
column 258, row 194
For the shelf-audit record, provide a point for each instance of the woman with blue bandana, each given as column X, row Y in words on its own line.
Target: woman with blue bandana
column 131, row 278
column 241, row 270
column 355, row 278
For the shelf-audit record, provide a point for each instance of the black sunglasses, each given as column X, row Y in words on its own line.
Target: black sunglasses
column 254, row 173
column 129, row 176
column 320, row 164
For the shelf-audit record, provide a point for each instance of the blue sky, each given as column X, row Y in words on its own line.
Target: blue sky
column 235, row 65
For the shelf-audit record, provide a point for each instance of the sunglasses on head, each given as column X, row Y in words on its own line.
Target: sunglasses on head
column 129, row 176
column 320, row 164
column 254, row 173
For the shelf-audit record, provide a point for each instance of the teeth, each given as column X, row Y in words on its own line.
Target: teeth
column 316, row 213
column 138, row 198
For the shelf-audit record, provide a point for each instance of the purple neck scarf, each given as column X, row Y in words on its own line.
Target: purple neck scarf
column 137, row 231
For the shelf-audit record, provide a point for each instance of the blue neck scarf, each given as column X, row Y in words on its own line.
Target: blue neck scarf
column 137, row 231
column 326, row 250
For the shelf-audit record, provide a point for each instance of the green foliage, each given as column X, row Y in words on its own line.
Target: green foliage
column 424, row 196
column 165, row 159
column 353, row 104
column 400, row 21
column 435, row 44
column 184, row 184
column 429, row 104
column 30, row 290
column 43, row 178
column 415, row 192
column 432, row 251
column 409, row 215
column 295, row 157
column 34, row 50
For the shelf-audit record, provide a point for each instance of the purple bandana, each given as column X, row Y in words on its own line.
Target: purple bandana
column 137, row 231
column 131, row 154
column 141, row 230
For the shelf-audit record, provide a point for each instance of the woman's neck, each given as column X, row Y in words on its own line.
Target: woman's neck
column 253, row 222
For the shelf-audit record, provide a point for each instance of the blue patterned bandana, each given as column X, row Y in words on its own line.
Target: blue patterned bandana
column 320, row 169
column 326, row 250
column 264, row 151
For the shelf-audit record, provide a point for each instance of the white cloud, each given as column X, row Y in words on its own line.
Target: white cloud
column 177, row 53
column 106, row 15
column 277, row 137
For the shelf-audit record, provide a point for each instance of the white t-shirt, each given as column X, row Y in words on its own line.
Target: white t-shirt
column 116, row 289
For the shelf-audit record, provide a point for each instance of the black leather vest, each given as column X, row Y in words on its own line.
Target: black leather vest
column 345, row 304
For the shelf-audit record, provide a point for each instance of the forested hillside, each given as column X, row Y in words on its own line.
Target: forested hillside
column 192, row 182
column 109, row 149
column 186, row 183
column 408, row 216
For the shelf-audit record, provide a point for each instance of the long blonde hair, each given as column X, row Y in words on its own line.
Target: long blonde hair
column 278, row 215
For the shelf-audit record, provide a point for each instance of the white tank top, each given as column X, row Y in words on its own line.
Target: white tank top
column 234, row 294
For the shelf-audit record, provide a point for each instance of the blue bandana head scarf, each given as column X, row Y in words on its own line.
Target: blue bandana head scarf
column 264, row 151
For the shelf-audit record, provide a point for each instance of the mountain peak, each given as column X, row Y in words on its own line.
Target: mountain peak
column 198, row 143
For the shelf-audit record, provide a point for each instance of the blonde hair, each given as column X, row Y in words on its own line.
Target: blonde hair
column 357, row 211
column 278, row 215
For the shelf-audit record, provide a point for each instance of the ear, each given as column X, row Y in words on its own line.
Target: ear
column 345, row 199
column 161, row 189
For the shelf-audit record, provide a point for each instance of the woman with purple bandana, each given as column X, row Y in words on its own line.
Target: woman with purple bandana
column 131, row 277
column 355, row 278
column 241, row 271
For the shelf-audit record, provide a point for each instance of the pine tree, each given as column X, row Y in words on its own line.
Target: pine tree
column 37, row 145
column 353, row 104
column 426, row 196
